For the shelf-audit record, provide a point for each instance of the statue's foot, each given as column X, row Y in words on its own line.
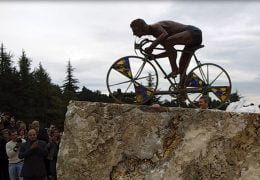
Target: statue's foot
column 172, row 75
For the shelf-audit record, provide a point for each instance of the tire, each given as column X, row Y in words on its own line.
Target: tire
column 127, row 80
column 211, row 80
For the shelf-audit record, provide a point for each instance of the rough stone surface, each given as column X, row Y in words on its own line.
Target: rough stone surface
column 122, row 142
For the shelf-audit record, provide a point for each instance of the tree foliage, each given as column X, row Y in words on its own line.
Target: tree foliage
column 9, row 82
column 24, row 68
column 234, row 97
column 30, row 95
column 5, row 62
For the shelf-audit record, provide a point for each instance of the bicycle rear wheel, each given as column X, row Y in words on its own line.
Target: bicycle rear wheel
column 132, row 80
column 211, row 80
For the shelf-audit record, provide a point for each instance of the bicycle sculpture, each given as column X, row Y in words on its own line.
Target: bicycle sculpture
column 134, row 79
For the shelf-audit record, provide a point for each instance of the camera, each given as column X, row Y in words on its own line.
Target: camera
column 19, row 140
column 15, row 148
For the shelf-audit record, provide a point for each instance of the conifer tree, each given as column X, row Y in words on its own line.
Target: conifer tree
column 69, row 86
column 41, row 76
column 70, row 82
column 42, row 91
column 9, row 83
column 151, row 85
column 5, row 62
column 150, row 80
column 50, row 107
column 28, row 98
column 24, row 67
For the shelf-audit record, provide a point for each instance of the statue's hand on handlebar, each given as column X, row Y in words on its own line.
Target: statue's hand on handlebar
column 148, row 50
column 149, row 54
column 150, row 57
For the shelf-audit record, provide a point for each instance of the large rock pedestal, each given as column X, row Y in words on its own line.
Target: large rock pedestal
column 111, row 141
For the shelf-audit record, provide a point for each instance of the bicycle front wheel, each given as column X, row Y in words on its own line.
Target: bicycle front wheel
column 211, row 80
column 132, row 79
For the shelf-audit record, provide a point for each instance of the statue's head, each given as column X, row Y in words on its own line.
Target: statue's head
column 138, row 27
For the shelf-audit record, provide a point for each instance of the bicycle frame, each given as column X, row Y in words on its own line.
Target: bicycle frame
column 173, row 83
column 203, row 79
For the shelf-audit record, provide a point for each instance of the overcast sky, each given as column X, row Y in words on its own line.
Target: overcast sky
column 95, row 34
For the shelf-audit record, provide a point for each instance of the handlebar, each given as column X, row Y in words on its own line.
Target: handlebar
column 141, row 47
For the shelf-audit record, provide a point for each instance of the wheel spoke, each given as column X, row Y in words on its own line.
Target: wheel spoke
column 137, row 74
column 119, row 83
column 207, row 74
column 143, row 77
column 216, row 78
column 197, row 97
column 139, row 70
column 128, row 86
column 202, row 74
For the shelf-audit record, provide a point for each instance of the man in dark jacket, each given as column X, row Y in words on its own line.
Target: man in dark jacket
column 4, row 138
column 43, row 136
column 33, row 152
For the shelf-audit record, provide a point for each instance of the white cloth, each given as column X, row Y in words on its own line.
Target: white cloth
column 12, row 155
column 240, row 106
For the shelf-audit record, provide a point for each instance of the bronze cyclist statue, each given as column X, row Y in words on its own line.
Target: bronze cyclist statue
column 168, row 34
column 134, row 78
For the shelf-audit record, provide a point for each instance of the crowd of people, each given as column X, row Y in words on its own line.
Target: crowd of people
column 27, row 153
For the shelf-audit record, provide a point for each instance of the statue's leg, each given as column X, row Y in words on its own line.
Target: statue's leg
column 182, row 38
